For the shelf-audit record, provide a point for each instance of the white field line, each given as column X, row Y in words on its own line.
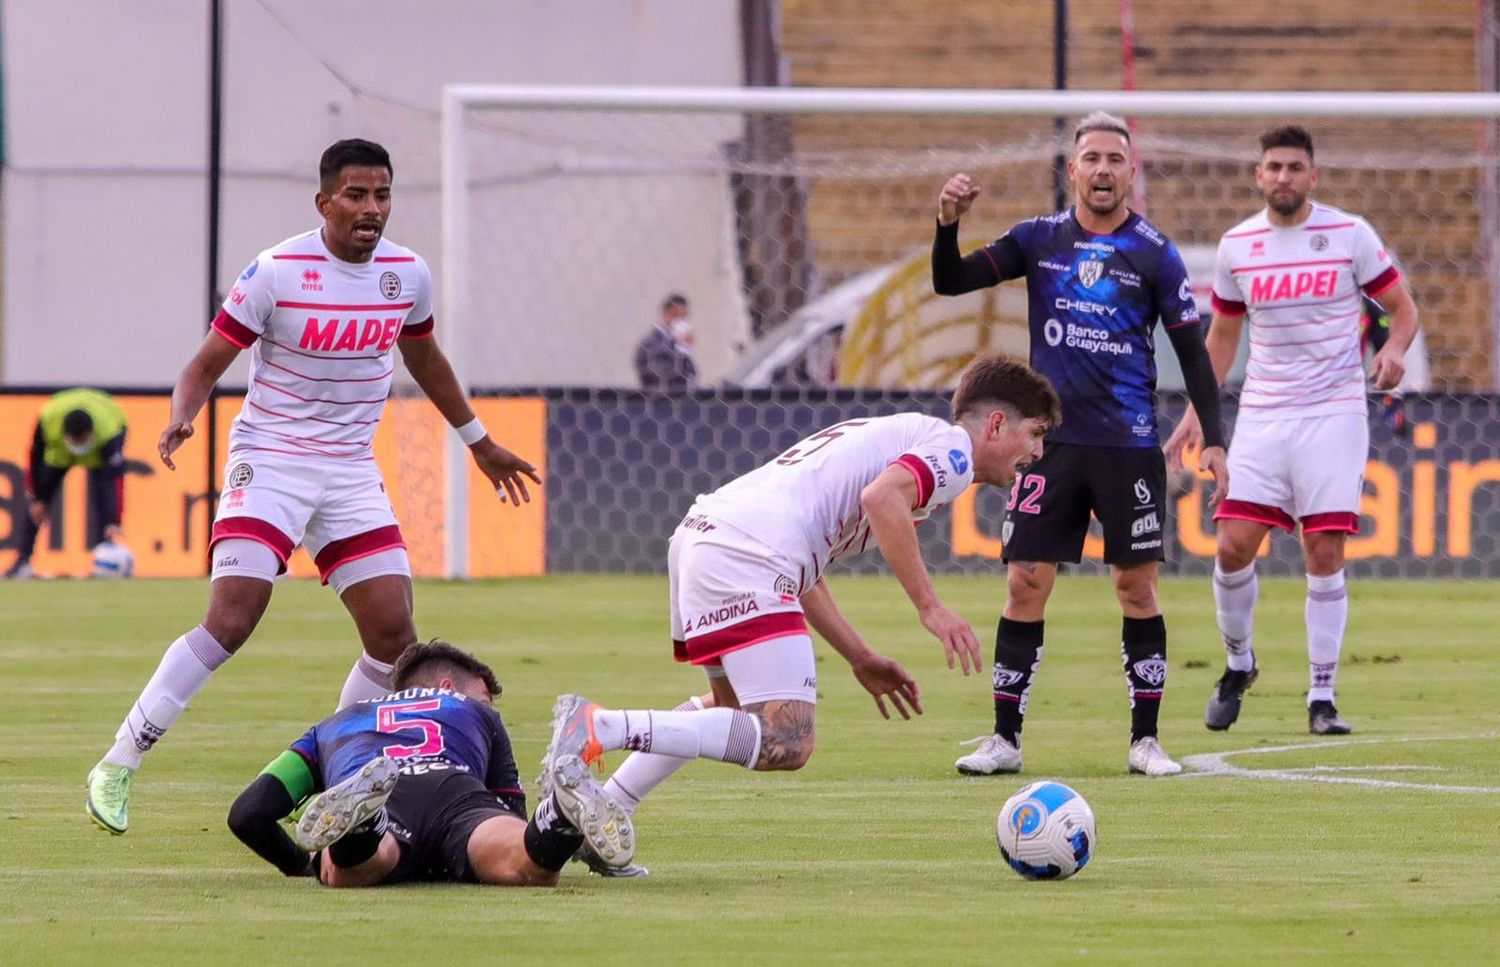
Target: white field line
column 1217, row 764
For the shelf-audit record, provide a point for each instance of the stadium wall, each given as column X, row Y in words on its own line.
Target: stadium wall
column 621, row 469
column 105, row 186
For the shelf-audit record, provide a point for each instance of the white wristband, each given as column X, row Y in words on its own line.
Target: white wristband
column 471, row 432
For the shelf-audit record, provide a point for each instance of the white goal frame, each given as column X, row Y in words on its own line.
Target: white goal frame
column 459, row 100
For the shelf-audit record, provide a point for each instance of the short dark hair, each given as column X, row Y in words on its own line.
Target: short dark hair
column 675, row 299
column 996, row 380
column 350, row 151
column 77, row 424
column 426, row 662
column 1287, row 136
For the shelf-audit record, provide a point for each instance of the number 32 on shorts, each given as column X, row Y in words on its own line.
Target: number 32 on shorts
column 1026, row 494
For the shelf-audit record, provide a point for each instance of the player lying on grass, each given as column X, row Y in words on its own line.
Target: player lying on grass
column 422, row 785
column 745, row 569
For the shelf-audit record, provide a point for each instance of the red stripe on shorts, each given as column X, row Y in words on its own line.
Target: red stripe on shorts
column 254, row 529
column 347, row 549
column 706, row 649
column 1338, row 520
column 1258, row 513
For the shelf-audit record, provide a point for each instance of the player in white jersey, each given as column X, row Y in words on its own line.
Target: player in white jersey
column 746, row 571
column 321, row 314
column 1297, row 269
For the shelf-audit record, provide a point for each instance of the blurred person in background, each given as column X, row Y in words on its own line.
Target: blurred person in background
column 76, row 428
column 664, row 358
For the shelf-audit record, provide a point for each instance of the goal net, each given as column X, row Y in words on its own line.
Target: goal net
column 798, row 224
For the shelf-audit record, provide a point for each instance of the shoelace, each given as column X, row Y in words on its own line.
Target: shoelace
column 114, row 790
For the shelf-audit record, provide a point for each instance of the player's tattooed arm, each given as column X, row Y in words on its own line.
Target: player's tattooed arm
column 786, row 736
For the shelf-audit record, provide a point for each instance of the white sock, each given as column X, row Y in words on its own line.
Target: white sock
column 182, row 673
column 1327, row 614
column 725, row 734
column 642, row 772
column 367, row 679
column 1234, row 597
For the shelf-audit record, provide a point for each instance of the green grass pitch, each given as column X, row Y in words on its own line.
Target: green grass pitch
column 877, row 852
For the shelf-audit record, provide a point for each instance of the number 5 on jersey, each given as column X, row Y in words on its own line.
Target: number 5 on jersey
column 386, row 720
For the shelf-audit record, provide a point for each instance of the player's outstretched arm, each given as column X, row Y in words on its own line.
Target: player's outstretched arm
column 882, row 677
column 255, row 818
column 433, row 373
column 888, row 502
column 952, row 273
column 195, row 382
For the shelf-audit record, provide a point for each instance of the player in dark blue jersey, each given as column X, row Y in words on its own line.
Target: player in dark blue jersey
column 1098, row 277
column 422, row 785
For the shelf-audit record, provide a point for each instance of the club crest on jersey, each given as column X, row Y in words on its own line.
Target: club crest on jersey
column 1318, row 242
column 390, row 285
column 1089, row 272
column 240, row 477
column 785, row 587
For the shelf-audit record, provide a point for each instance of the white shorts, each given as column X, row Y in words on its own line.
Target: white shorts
column 729, row 592
column 1310, row 471
column 337, row 509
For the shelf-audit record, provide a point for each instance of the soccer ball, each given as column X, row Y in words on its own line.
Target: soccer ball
column 112, row 560
column 1046, row 831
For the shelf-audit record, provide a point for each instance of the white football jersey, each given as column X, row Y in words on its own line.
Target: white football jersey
column 805, row 503
column 321, row 333
column 1301, row 288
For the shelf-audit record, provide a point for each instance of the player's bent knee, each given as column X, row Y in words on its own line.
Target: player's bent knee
column 787, row 734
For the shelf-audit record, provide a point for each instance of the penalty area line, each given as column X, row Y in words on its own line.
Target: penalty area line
column 1217, row 764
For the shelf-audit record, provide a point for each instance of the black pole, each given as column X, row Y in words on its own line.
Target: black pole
column 215, row 179
column 1059, row 83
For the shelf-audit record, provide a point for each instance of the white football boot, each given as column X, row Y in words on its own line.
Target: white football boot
column 994, row 756
column 1147, row 758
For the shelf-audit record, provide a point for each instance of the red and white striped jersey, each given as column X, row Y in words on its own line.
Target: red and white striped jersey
column 1301, row 287
column 321, row 333
column 805, row 503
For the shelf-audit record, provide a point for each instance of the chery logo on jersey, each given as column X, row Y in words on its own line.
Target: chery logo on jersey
column 1275, row 286
column 350, row 335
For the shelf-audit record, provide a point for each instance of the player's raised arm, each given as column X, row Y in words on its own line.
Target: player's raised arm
column 955, row 274
column 194, row 383
column 430, row 368
column 882, row 677
column 887, row 503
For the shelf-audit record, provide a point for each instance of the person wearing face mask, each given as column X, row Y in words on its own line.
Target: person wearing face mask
column 664, row 358
column 76, row 428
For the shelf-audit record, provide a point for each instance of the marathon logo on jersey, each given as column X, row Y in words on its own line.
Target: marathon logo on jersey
column 312, row 280
column 1104, row 247
column 1152, row 671
column 1276, row 286
column 1090, row 272
column 390, row 285
column 718, row 616
column 350, row 335
column 1145, row 524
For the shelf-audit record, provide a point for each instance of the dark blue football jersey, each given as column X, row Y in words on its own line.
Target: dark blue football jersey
column 417, row 725
column 1094, row 301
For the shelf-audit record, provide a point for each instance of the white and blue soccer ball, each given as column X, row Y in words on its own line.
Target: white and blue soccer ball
column 1046, row 831
column 112, row 560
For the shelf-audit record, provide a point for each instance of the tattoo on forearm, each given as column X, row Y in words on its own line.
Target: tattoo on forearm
column 786, row 739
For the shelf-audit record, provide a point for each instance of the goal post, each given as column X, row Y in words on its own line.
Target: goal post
column 568, row 212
